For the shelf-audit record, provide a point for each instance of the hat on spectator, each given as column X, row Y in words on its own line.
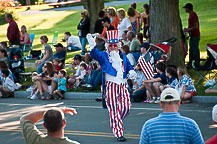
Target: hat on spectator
column 77, row 57
column 214, row 117
column 145, row 45
column 188, row 5
column 169, row 95
column 58, row 45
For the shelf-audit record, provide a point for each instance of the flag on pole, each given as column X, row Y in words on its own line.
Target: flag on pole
column 146, row 66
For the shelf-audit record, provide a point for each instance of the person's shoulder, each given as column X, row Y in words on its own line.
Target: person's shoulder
column 188, row 120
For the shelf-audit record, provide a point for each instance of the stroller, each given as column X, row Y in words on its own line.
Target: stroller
column 210, row 65
column 16, row 62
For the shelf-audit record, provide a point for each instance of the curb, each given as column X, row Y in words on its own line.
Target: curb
column 93, row 96
column 67, row 95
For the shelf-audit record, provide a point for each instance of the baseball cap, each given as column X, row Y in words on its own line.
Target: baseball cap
column 188, row 5
column 145, row 45
column 58, row 45
column 169, row 95
column 77, row 57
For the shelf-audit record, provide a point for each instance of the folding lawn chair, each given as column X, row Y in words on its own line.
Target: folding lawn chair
column 209, row 66
column 28, row 47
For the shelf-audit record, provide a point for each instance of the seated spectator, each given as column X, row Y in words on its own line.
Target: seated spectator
column 172, row 80
column 3, row 66
column 60, row 52
column 124, row 23
column 61, row 80
column 54, row 123
column 57, row 64
column 3, row 55
column 98, row 28
column 43, row 80
column 134, row 45
column 124, row 40
column 95, row 79
column 73, row 42
column 138, row 93
column 48, row 54
column 125, row 49
column 133, row 19
column 185, row 86
column 83, row 68
column 170, row 127
column 113, row 17
column 35, row 90
column 8, row 85
column 212, row 89
column 24, row 36
column 106, row 22
column 139, row 36
column 153, row 84
column 77, row 62
column 213, row 140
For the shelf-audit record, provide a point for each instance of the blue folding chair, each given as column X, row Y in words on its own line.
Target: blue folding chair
column 28, row 47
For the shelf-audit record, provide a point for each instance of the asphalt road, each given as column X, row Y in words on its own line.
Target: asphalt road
column 91, row 124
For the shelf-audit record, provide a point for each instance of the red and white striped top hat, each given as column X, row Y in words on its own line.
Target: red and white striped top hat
column 112, row 36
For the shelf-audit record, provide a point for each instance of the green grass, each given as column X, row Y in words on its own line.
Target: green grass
column 62, row 21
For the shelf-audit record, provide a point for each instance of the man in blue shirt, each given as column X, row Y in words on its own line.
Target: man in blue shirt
column 170, row 126
column 60, row 52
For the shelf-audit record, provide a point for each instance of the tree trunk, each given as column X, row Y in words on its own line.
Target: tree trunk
column 165, row 23
column 93, row 7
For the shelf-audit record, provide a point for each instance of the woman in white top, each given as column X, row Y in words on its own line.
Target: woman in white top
column 126, row 50
column 124, row 23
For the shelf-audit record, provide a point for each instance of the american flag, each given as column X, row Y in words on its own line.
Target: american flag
column 146, row 66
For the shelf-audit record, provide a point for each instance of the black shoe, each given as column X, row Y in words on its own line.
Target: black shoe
column 121, row 139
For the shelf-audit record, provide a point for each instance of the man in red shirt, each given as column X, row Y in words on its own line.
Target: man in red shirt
column 13, row 33
column 194, row 32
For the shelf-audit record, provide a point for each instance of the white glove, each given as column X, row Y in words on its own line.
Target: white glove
column 91, row 41
column 132, row 74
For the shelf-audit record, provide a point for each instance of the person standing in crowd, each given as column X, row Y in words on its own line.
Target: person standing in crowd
column 73, row 42
column 124, row 23
column 145, row 20
column 138, row 14
column 106, row 22
column 84, row 29
column 113, row 17
column 13, row 33
column 24, row 36
column 194, row 32
column 133, row 19
column 98, row 28
column 54, row 123
column 170, row 126
column 213, row 140
column 135, row 48
column 116, row 67
column 48, row 54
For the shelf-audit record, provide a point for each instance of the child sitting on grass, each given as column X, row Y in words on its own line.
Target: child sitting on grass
column 172, row 80
column 83, row 68
column 8, row 86
column 61, row 80
column 185, row 86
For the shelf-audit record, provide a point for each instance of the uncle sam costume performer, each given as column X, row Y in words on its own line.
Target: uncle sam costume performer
column 116, row 68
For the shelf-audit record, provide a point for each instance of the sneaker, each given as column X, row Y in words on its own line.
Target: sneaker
column 30, row 88
column 34, row 97
column 28, row 97
column 89, row 86
column 84, row 85
column 153, row 100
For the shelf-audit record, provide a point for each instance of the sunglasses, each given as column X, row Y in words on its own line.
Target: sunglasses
column 45, row 66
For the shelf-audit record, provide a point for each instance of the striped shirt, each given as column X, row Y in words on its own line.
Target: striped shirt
column 171, row 128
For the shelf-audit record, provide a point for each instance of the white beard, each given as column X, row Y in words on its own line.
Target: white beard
column 116, row 61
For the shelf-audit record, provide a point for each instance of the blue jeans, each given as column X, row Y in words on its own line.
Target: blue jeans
column 138, row 95
column 74, row 48
column 83, row 41
column 136, row 55
column 39, row 69
column 95, row 79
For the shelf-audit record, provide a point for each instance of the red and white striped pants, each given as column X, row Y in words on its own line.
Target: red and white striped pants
column 118, row 104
